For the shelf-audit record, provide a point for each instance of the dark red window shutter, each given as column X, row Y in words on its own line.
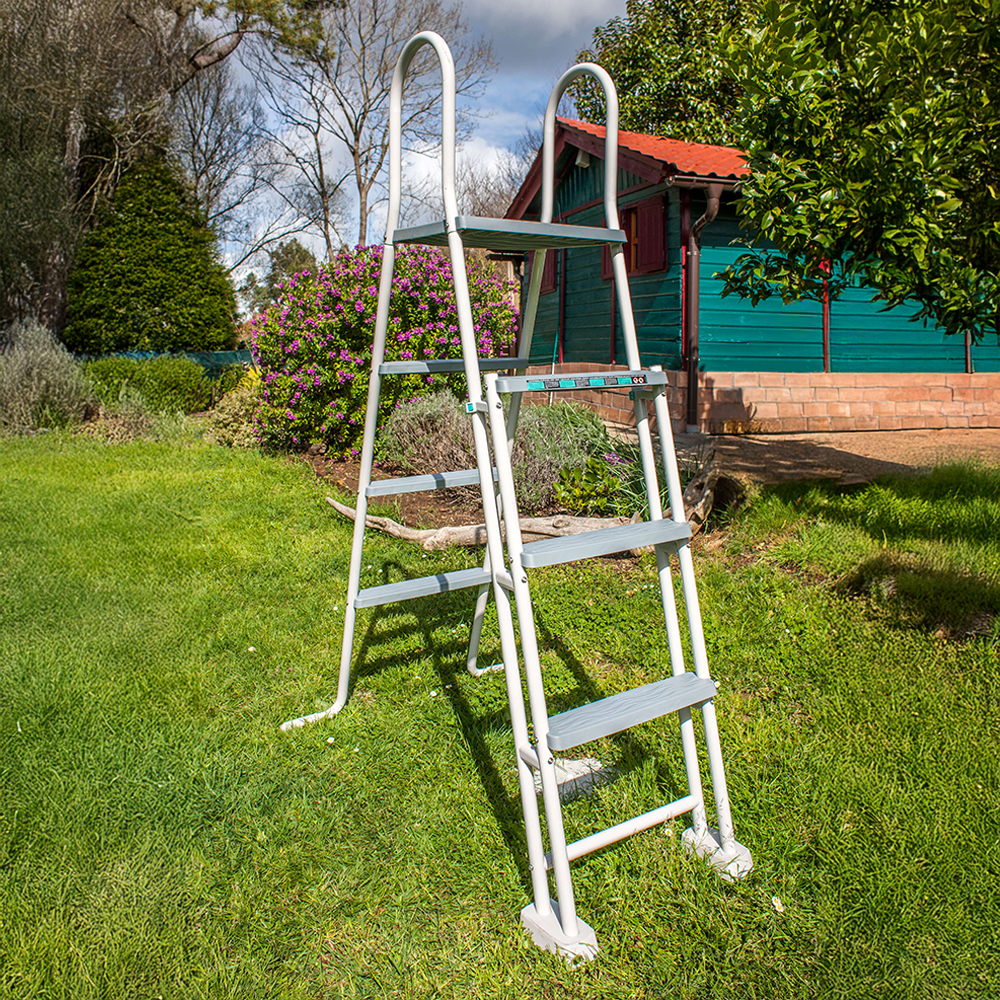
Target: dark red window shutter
column 549, row 272
column 650, row 236
column 607, row 272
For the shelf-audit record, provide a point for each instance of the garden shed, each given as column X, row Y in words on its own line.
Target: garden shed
column 846, row 364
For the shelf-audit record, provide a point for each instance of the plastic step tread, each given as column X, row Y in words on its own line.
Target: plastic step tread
column 580, row 380
column 422, row 586
column 418, row 484
column 604, row 541
column 444, row 365
column 512, row 235
column 630, row 708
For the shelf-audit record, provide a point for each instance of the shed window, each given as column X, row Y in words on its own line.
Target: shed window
column 645, row 226
column 549, row 275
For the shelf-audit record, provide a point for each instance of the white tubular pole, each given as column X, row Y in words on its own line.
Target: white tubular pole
column 586, row 845
column 533, row 673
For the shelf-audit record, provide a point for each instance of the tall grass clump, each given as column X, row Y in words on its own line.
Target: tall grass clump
column 40, row 384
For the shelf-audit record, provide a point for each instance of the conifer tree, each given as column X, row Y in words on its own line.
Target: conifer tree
column 149, row 276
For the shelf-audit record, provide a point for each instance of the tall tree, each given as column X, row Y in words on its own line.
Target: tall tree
column 85, row 90
column 666, row 61
column 874, row 142
column 148, row 277
column 220, row 139
column 339, row 94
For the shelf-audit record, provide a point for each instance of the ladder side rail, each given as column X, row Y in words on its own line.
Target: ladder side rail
column 410, row 49
column 697, row 632
column 533, row 673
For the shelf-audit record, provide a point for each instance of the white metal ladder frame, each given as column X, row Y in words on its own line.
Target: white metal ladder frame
column 553, row 924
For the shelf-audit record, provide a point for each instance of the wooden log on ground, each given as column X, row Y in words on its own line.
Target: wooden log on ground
column 699, row 499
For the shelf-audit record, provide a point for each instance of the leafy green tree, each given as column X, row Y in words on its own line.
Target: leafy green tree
column 148, row 277
column 666, row 61
column 873, row 134
column 291, row 258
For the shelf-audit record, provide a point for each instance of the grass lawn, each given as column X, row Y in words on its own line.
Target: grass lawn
column 164, row 606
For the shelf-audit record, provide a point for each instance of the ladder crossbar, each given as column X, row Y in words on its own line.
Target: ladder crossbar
column 419, row 484
column 580, row 380
column 604, row 838
column 627, row 709
column 446, row 365
column 603, row 542
column 512, row 235
column 421, row 586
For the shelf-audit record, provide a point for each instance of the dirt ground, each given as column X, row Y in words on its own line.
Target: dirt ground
column 851, row 457
column 766, row 458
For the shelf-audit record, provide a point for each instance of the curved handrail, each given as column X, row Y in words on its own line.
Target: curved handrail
column 410, row 49
column 610, row 141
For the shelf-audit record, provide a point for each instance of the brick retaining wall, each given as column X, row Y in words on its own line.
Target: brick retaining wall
column 797, row 402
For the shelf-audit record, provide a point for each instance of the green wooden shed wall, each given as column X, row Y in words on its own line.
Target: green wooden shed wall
column 734, row 335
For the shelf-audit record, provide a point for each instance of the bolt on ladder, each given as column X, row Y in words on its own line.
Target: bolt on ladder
column 552, row 923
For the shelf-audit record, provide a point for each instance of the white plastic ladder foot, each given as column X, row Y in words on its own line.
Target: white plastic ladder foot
column 736, row 863
column 548, row 934
column 305, row 720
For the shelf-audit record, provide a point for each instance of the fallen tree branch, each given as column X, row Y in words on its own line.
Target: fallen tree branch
column 532, row 528
column 699, row 500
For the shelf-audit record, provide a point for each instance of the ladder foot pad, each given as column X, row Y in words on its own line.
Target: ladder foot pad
column 603, row 542
column 547, row 933
column 422, row 586
column 630, row 708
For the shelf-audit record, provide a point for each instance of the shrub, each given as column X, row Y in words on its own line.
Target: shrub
column 40, row 383
column 231, row 422
column 433, row 433
column 148, row 277
column 314, row 346
column 168, row 384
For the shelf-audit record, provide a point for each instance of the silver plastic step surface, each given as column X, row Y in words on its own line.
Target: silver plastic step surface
column 419, row 484
column 580, row 380
column 603, row 542
column 444, row 365
column 424, row 586
column 630, row 708
column 509, row 235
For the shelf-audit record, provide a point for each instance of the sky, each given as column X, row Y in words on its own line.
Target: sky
column 534, row 41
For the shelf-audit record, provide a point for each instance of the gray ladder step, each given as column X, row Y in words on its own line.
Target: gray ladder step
column 604, row 541
column 581, row 380
column 509, row 235
column 418, row 484
column 423, row 586
column 630, row 708
column 438, row 365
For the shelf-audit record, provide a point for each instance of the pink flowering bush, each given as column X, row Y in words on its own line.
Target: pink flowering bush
column 313, row 347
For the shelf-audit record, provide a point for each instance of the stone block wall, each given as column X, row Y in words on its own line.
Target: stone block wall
column 800, row 402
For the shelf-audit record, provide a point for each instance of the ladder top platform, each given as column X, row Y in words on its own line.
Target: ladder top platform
column 509, row 235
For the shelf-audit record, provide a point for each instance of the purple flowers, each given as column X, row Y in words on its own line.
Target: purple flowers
column 314, row 345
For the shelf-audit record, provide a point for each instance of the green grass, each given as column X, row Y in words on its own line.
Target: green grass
column 160, row 838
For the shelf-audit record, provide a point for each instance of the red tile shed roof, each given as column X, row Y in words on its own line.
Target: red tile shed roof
column 650, row 157
column 678, row 157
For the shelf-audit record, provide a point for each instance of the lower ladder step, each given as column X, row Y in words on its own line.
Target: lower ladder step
column 603, row 542
column 422, row 586
column 630, row 708
column 417, row 484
